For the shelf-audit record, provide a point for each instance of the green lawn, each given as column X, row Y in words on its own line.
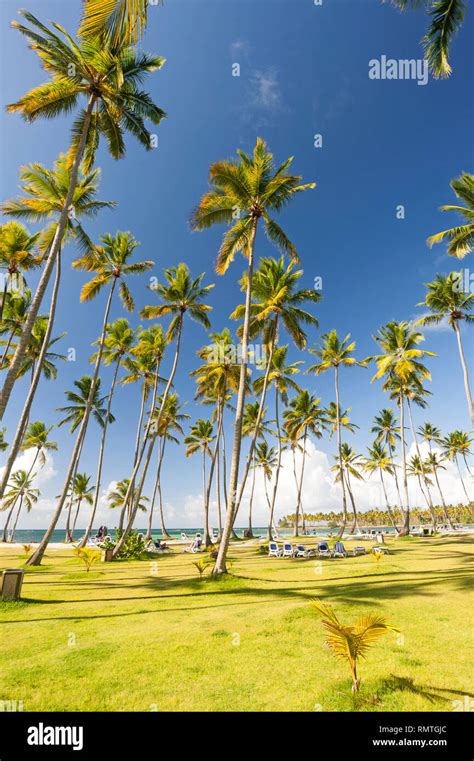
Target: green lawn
column 144, row 636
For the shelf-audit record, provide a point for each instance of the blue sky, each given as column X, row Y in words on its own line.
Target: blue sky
column 304, row 70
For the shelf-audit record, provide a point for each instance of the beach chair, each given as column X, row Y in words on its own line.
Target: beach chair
column 359, row 551
column 339, row 550
column 274, row 550
column 184, row 537
column 288, row 551
column 323, row 550
column 301, row 551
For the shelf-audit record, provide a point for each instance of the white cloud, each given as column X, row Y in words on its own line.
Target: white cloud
column 265, row 91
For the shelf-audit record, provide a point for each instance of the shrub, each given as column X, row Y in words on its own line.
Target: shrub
column 87, row 555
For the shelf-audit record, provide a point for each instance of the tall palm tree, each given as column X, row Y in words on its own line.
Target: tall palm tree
column 446, row 18
column 388, row 433
column 180, row 295
column 350, row 468
column 118, row 342
column 242, row 192
column 400, row 360
column 110, row 263
column 199, row 439
column 170, row 423
column 304, row 417
column 74, row 414
column 21, row 491
column 280, row 376
column 447, row 300
column 276, row 303
column 460, row 238
column 266, row 459
column 379, row 460
column 433, row 464
column 457, row 444
column 110, row 78
column 36, row 437
column 334, row 353
column 81, row 492
column 18, row 254
column 417, row 470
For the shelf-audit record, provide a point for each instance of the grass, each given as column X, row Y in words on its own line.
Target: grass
column 149, row 636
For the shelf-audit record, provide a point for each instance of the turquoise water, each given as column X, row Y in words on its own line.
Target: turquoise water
column 25, row 536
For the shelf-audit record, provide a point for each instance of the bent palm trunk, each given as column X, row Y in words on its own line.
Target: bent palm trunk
column 52, row 257
column 467, row 387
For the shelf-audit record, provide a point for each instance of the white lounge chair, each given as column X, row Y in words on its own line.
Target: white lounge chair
column 288, row 551
column 339, row 550
column 380, row 548
column 359, row 551
column 301, row 551
column 274, row 550
column 323, row 550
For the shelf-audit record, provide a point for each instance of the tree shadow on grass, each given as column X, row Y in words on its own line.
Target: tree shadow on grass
column 432, row 694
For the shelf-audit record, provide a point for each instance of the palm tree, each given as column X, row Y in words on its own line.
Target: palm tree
column 457, row 444
column 17, row 255
column 401, row 361
column 446, row 18
column 446, row 300
column 109, row 77
column 380, row 461
column 117, row 344
column 350, row 464
column 3, row 443
column 280, row 376
column 36, row 437
column 303, row 417
column 20, row 490
column 276, row 303
column 334, row 353
column 433, row 464
column 170, row 421
column 388, row 433
column 181, row 295
column 416, row 469
column 242, row 192
column 218, row 379
column 74, row 415
column 119, row 497
column 199, row 439
column 81, row 492
column 266, row 459
column 110, row 263
column 460, row 237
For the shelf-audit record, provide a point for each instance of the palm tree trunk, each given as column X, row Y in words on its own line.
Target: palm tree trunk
column 406, row 526
column 12, row 537
column 467, row 387
column 300, row 486
column 462, row 480
column 218, row 476
column 7, row 523
column 207, row 492
column 297, row 513
column 90, row 525
column 7, row 348
column 397, row 485
column 128, row 507
column 355, row 525
column 4, row 296
column 157, row 489
column 341, row 468
column 252, row 492
column 52, row 257
column 79, row 501
column 389, row 509
column 259, row 415
column 447, row 517
column 207, row 535
column 156, row 423
column 220, row 566
column 68, row 537
column 37, row 556
column 278, row 466
column 425, row 477
column 224, row 470
column 23, row 421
